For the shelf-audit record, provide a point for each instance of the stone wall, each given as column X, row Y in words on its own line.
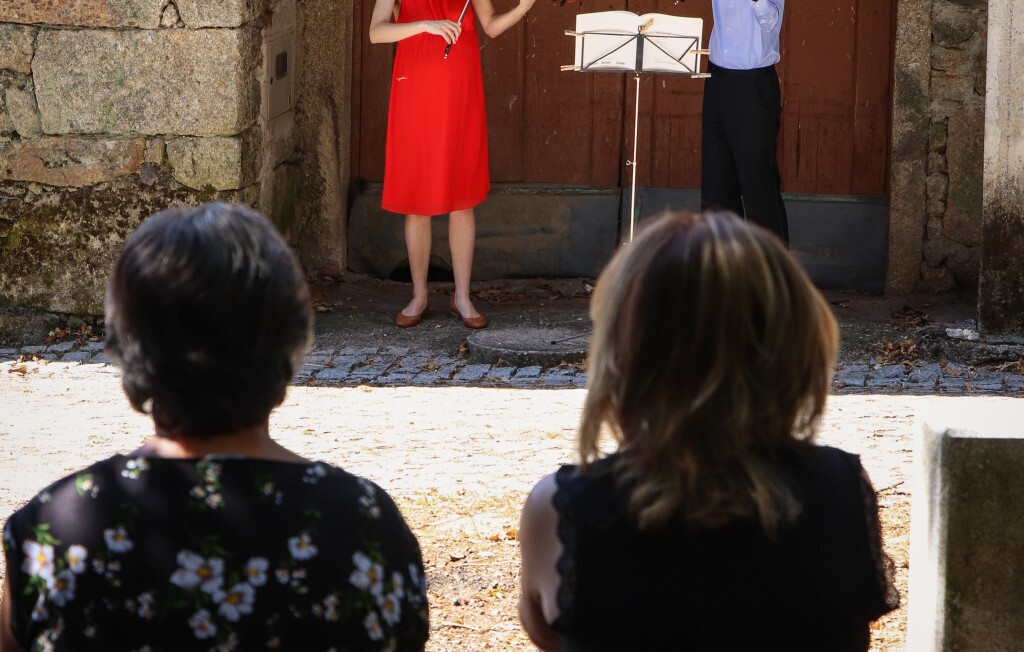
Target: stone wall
column 111, row 110
column 937, row 145
column 952, row 246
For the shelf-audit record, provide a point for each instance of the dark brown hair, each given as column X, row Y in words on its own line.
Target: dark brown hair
column 208, row 314
column 712, row 352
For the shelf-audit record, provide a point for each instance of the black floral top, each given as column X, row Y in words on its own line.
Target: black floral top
column 222, row 553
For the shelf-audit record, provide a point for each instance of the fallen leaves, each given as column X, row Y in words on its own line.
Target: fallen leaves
column 1012, row 367
column 910, row 318
column 82, row 333
column 889, row 352
column 26, row 364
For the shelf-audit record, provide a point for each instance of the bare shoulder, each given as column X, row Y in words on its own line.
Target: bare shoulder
column 540, row 502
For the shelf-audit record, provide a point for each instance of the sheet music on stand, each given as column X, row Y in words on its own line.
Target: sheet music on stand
column 621, row 41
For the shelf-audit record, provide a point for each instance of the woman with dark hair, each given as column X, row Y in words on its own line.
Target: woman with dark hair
column 715, row 523
column 211, row 535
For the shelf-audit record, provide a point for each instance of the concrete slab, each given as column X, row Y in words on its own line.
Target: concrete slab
column 967, row 532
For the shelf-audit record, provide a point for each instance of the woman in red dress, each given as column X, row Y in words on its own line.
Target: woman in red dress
column 436, row 156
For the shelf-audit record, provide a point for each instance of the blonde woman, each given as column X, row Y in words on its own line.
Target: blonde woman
column 716, row 523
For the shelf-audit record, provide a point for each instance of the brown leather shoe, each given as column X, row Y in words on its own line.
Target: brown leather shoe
column 468, row 322
column 403, row 320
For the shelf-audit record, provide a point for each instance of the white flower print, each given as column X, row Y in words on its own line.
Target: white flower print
column 212, row 473
column 86, row 486
column 373, row 628
column 369, row 505
column 230, row 644
column 236, row 602
column 256, row 571
column 76, row 556
column 301, row 547
column 113, row 567
column 207, row 574
column 146, row 601
column 213, row 501
column 197, row 492
column 39, row 612
column 61, row 587
column 391, row 608
column 331, row 608
column 368, row 575
column 314, row 473
column 99, row 566
column 134, row 468
column 45, row 643
column 396, row 585
column 201, row 625
column 117, row 540
column 38, row 560
column 417, row 587
column 282, row 575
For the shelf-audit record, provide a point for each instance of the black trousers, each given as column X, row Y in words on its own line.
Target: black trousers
column 740, row 132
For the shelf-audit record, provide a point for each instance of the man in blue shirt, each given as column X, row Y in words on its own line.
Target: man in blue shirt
column 742, row 109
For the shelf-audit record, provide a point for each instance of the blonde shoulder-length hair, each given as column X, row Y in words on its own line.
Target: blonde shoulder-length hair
column 712, row 355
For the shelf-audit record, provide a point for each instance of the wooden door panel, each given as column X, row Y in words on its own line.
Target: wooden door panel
column 836, row 63
column 668, row 153
column 371, row 81
column 546, row 125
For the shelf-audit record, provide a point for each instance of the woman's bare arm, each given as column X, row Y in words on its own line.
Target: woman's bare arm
column 539, row 580
column 383, row 29
column 7, row 642
column 495, row 23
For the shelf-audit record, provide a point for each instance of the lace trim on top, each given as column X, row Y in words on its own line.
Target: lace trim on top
column 884, row 566
column 566, row 565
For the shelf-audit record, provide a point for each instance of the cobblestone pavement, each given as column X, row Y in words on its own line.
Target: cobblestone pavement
column 390, row 366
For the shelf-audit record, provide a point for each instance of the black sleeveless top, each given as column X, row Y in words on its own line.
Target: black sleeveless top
column 816, row 588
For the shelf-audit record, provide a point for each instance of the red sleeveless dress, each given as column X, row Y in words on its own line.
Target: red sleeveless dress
column 436, row 154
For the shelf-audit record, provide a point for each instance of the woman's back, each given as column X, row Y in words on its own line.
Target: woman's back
column 192, row 554
column 816, row 588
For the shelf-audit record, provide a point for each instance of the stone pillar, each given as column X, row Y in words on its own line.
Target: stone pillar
column 967, row 534
column 909, row 158
column 1001, row 288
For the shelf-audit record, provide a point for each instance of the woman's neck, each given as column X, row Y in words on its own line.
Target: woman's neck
column 253, row 442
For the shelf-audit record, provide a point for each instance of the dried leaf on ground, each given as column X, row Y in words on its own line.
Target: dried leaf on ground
column 911, row 318
column 952, row 371
column 889, row 352
column 1012, row 367
column 430, row 366
column 500, row 296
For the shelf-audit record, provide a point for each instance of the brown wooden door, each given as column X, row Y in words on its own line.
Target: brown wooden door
column 576, row 129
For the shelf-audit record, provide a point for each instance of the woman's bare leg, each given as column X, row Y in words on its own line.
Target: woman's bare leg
column 417, row 243
column 462, row 240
